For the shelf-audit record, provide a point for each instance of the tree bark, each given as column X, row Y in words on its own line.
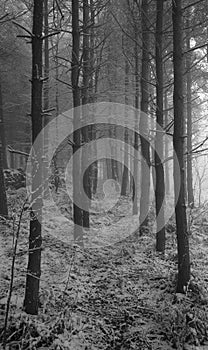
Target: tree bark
column 136, row 136
column 159, row 170
column 35, row 240
column 46, row 118
column 125, row 176
column 2, row 133
column 189, row 175
column 178, row 144
column 3, row 162
column 77, row 211
column 3, row 197
column 85, row 99
column 167, row 177
column 143, row 125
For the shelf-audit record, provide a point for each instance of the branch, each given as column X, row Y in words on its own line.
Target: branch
column 197, row 147
column 63, row 82
column 63, row 58
column 46, row 111
column 196, row 48
column 59, row 8
column 199, row 151
column 11, row 150
column 49, row 35
column 193, row 4
column 2, row 17
column 23, row 28
column 24, row 36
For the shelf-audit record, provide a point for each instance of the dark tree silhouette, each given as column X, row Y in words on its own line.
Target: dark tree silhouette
column 35, row 239
column 179, row 147
column 159, row 170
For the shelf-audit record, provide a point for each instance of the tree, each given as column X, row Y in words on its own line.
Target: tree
column 166, row 151
column 178, row 144
column 143, row 123
column 125, row 177
column 15, row 65
column 3, row 197
column 159, row 170
column 46, row 92
column 75, row 67
column 85, row 99
column 189, row 121
column 2, row 133
column 35, row 240
column 136, row 136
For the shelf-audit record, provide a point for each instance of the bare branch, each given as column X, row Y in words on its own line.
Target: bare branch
column 23, row 28
column 51, row 34
column 193, row 4
column 196, row 48
column 2, row 17
column 11, row 150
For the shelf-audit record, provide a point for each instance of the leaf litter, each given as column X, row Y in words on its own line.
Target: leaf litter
column 104, row 296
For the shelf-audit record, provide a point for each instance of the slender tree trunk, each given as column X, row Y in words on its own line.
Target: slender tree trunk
column 136, row 136
column 3, row 198
column 143, row 125
column 91, row 49
column 46, row 64
column 46, row 118
column 159, row 170
column 2, row 134
column 178, row 144
column 56, row 60
column 92, row 97
column 167, row 177
column 125, row 177
column 57, row 75
column 85, row 99
column 77, row 211
column 114, row 163
column 189, row 175
column 152, row 149
column 35, row 239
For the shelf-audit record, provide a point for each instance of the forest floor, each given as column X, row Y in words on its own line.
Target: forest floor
column 109, row 295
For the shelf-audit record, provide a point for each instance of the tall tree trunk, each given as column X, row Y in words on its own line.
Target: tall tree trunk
column 136, row 136
column 189, row 175
column 85, row 99
column 159, row 170
column 152, row 149
column 56, row 60
column 125, row 177
column 46, row 118
column 46, row 64
column 3, row 198
column 77, row 211
column 167, row 177
column 92, row 97
column 178, row 144
column 143, row 125
column 2, row 134
column 35, row 239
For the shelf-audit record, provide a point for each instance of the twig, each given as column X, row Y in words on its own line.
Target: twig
column 2, row 17
column 196, row 48
column 193, row 4
column 12, row 150
column 23, row 28
column 49, row 35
